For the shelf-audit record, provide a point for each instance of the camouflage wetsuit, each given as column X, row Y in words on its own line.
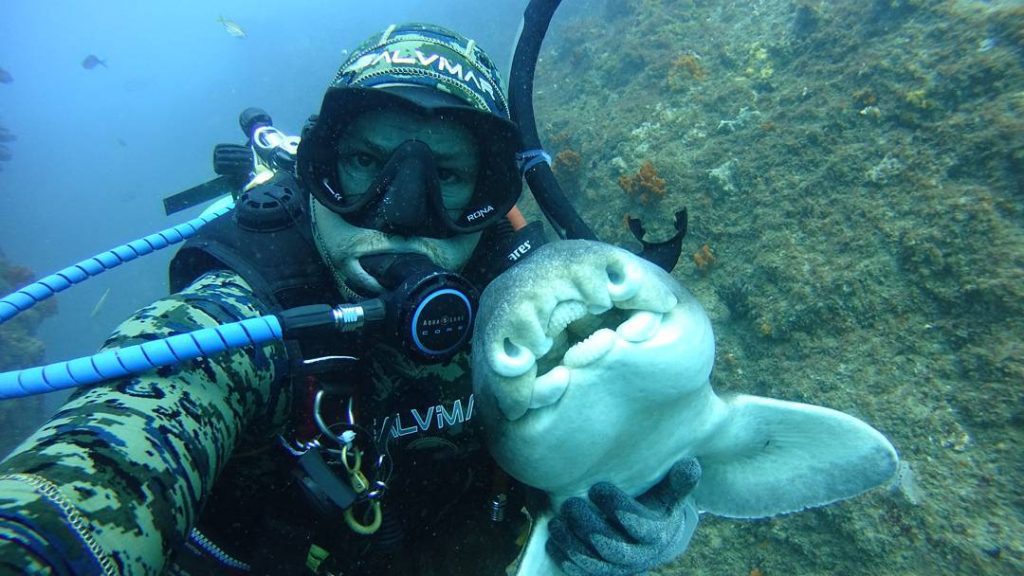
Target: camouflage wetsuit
column 115, row 481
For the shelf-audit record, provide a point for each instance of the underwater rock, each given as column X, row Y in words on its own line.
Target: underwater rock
column 723, row 177
column 20, row 348
column 884, row 171
column 904, row 484
column 874, row 232
column 805, row 20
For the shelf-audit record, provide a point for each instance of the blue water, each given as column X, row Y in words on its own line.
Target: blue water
column 99, row 148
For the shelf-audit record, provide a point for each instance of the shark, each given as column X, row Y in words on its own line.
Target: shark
column 592, row 364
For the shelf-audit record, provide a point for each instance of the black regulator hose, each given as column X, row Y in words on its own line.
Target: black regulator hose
column 552, row 201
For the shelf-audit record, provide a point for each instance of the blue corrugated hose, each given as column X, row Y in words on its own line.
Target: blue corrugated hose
column 138, row 359
column 17, row 302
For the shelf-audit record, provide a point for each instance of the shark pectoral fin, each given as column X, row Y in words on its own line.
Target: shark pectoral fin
column 772, row 457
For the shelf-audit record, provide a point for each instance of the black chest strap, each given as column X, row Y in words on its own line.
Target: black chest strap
column 267, row 240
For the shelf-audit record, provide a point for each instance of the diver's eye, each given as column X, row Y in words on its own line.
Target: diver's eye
column 364, row 160
column 359, row 164
column 446, row 176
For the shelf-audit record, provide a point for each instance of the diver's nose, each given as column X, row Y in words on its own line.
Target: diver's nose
column 408, row 188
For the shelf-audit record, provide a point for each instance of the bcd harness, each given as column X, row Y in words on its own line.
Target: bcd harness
column 268, row 242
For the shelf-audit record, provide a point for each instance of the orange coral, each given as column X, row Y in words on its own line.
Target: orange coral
column 645, row 184
column 704, row 258
column 559, row 140
column 567, row 161
column 686, row 65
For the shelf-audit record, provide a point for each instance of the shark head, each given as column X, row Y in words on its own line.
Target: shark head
column 591, row 364
column 581, row 345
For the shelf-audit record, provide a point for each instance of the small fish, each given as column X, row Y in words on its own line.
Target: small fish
column 99, row 304
column 91, row 61
column 121, row 142
column 232, row 27
column 5, row 77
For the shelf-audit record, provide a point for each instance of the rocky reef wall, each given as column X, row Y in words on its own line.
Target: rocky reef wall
column 20, row 348
column 854, row 173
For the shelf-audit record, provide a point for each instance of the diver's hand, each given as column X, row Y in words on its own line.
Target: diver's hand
column 614, row 534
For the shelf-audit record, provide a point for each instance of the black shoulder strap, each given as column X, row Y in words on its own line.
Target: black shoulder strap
column 500, row 248
column 268, row 241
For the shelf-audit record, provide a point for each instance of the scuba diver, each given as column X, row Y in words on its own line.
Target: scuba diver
column 334, row 451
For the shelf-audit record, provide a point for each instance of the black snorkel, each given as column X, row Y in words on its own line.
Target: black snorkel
column 566, row 222
column 556, row 207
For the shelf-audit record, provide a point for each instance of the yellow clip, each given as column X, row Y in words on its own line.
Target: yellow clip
column 354, row 469
column 360, row 484
column 315, row 557
column 263, row 175
column 365, row 529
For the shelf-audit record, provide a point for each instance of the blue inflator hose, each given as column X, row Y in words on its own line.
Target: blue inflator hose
column 17, row 302
column 140, row 358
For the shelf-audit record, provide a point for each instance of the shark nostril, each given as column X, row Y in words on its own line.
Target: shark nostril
column 624, row 279
column 615, row 275
column 514, row 360
column 511, row 349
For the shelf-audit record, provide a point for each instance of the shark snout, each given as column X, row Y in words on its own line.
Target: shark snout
column 513, row 360
column 544, row 312
column 569, row 322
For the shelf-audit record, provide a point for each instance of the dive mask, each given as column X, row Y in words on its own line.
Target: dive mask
column 405, row 196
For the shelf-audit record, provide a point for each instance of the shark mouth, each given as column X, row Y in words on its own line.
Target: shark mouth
column 577, row 335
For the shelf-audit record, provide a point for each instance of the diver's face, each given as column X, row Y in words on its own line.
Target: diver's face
column 371, row 141
column 363, row 149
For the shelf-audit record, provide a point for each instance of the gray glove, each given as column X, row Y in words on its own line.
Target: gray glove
column 614, row 534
